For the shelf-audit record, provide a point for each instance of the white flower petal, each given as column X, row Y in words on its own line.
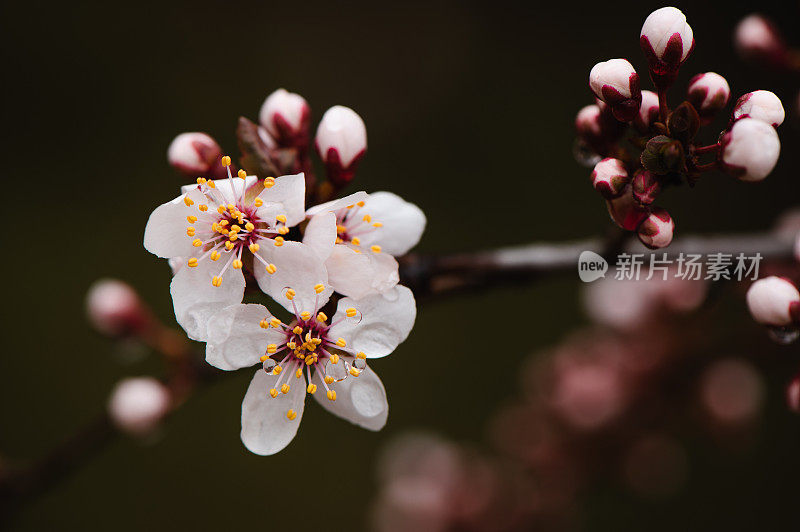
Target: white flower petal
column 357, row 275
column 288, row 197
column 337, row 204
column 165, row 233
column 385, row 321
column 360, row 400
column 403, row 223
column 320, row 234
column 235, row 338
column 297, row 267
column 265, row 427
column 195, row 299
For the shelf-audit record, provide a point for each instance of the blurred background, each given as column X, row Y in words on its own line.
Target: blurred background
column 469, row 109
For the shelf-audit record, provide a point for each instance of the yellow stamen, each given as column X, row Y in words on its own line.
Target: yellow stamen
column 188, row 201
column 269, row 182
column 291, row 414
column 229, row 245
column 278, row 241
column 377, row 224
column 211, row 184
column 311, row 388
column 321, row 317
column 214, row 255
column 275, row 322
column 191, row 219
column 264, row 324
column 226, row 161
column 258, row 202
column 290, row 293
column 281, row 218
column 201, row 180
column 216, row 281
column 272, row 348
column 319, row 288
column 328, row 379
column 354, row 372
column 334, row 358
column 305, row 315
column 360, row 203
column 237, row 264
column 271, row 268
column 297, row 330
column 361, row 355
column 277, row 370
column 285, row 389
column 221, row 209
column 351, row 312
column 192, row 262
column 375, row 249
column 367, row 218
column 273, row 393
column 203, row 207
column 331, row 395
column 299, row 372
column 253, row 248
column 249, row 226
column 197, row 242
column 242, row 174
column 356, row 241
column 341, row 343
column 341, row 229
column 283, row 230
column 291, row 345
column 190, row 231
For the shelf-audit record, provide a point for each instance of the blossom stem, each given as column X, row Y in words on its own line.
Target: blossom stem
column 707, row 149
column 663, row 108
column 706, row 167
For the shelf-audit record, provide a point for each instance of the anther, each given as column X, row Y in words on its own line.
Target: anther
column 278, row 241
column 271, row 348
column 283, row 230
column 192, row 262
column 298, row 373
column 249, row 226
column 367, row 218
column 356, row 241
column 311, row 388
column 290, row 293
column 271, row 268
column 237, row 264
column 216, row 281
column 305, row 315
column 354, row 372
column 360, row 203
column 351, row 312
column 377, row 224
column 191, row 219
column 269, row 182
column 297, row 330
column 375, row 249
column 341, row 343
column 275, row 322
column 197, row 242
column 277, row 370
column 229, row 245
column 226, row 161
column 361, row 355
column 190, row 231
column 291, row 414
column 319, row 288
column 328, row 379
column 258, row 202
column 273, row 393
column 321, row 317
column 188, row 201
column 242, row 174
column 203, row 208
column 201, row 180
column 334, row 358
column 331, row 395
column 285, row 389
column 281, row 218
column 214, row 255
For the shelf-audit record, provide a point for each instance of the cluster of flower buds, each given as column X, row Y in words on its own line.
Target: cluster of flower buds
column 661, row 150
column 329, row 263
column 775, row 303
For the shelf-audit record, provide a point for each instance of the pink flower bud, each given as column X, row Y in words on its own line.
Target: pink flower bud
column 609, row 177
column 757, row 38
column 194, row 154
column 286, row 115
column 587, row 122
column 114, row 308
column 793, row 395
column 656, row 231
column 648, row 111
column 761, row 105
column 626, row 211
column 645, row 187
column 137, row 405
column 616, row 83
column 341, row 142
column 666, row 40
column 774, row 301
column 750, row 149
column 708, row 93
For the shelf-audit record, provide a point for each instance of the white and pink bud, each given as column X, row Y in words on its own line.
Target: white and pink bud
column 708, row 93
column 194, row 154
column 646, row 186
column 648, row 111
column 750, row 150
column 341, row 142
column 757, row 38
column 137, row 405
column 761, row 105
column 609, row 177
column 625, row 211
column 588, row 123
column 657, row 230
column 286, row 117
column 666, row 40
column 793, row 395
column 114, row 308
column 774, row 301
column 616, row 83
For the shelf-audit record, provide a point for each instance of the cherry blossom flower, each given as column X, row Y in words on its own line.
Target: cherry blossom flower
column 371, row 229
column 609, row 177
column 310, row 355
column 616, row 83
column 656, row 231
column 216, row 225
column 666, row 40
column 648, row 111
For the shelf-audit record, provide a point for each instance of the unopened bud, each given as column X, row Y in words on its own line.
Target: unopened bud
column 616, row 83
column 683, row 124
column 750, row 150
column 114, row 308
column 587, row 122
column 285, row 115
column 666, row 40
column 774, row 301
column 609, row 177
column 757, row 38
column 138, row 404
column 341, row 142
column 662, row 155
column 793, row 395
column 708, row 93
column 194, row 154
column 645, row 187
column 761, row 105
column 626, row 211
column 656, row 231
column 648, row 111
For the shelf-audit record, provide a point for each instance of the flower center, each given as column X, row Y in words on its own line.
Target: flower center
column 351, row 226
column 308, row 347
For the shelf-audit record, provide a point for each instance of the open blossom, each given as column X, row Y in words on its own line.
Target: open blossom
column 761, row 105
column 609, row 177
column 666, row 40
column 215, row 225
column 708, row 93
column 616, row 83
column 194, row 153
column 286, row 115
column 371, row 229
column 750, row 149
column 774, row 301
column 341, row 142
column 315, row 355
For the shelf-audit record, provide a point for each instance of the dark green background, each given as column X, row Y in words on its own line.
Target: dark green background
column 469, row 109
